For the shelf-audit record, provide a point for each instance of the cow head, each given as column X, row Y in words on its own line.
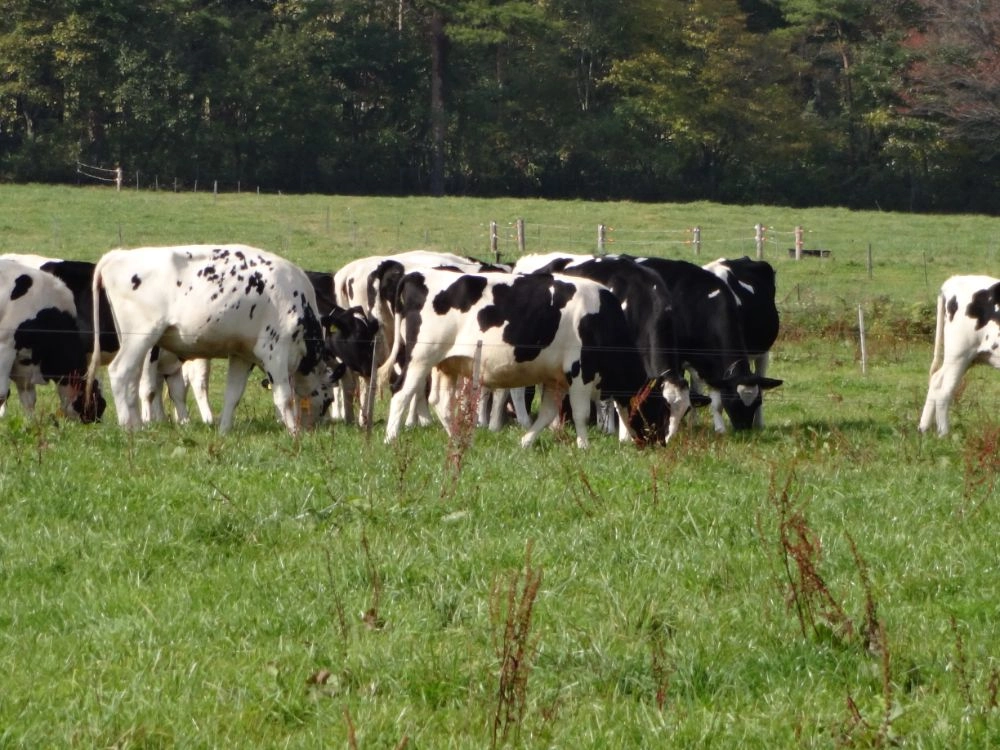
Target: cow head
column 81, row 403
column 741, row 397
column 350, row 337
column 655, row 412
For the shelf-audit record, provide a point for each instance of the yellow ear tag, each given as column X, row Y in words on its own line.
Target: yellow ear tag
column 332, row 328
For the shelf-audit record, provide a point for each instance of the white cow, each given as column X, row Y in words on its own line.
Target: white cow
column 967, row 333
column 207, row 301
column 40, row 341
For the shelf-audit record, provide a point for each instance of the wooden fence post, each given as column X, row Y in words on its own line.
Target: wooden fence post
column 602, row 232
column 520, row 236
column 864, row 346
column 758, row 234
column 494, row 242
column 696, row 240
column 367, row 412
column 798, row 242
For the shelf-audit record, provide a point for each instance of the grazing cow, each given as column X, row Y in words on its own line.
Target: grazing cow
column 709, row 337
column 967, row 333
column 40, row 341
column 753, row 287
column 567, row 334
column 367, row 282
column 78, row 276
column 206, row 301
column 648, row 311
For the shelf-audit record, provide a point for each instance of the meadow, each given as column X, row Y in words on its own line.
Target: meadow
column 827, row 582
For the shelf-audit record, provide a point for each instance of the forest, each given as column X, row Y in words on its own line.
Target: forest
column 874, row 104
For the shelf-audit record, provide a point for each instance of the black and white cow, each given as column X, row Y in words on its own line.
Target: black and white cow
column 967, row 333
column 164, row 367
column 752, row 283
column 40, row 341
column 709, row 337
column 208, row 301
column 567, row 334
column 367, row 283
column 648, row 311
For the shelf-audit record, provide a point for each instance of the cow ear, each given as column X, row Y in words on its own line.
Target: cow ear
column 765, row 384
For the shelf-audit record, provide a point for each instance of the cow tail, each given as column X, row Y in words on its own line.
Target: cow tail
column 385, row 371
column 95, row 354
column 938, row 336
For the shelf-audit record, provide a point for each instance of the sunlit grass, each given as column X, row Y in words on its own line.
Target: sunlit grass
column 174, row 587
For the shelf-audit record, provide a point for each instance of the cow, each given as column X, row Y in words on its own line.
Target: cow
column 752, row 283
column 78, row 276
column 368, row 282
column 567, row 334
column 709, row 337
column 647, row 307
column 967, row 333
column 207, row 301
column 40, row 342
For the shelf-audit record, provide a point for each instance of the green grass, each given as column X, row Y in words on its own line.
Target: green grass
column 178, row 588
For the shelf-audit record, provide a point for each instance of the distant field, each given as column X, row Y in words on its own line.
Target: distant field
column 829, row 582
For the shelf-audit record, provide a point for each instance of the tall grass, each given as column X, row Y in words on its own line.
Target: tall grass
column 174, row 587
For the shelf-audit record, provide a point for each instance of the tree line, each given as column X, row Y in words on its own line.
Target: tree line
column 891, row 104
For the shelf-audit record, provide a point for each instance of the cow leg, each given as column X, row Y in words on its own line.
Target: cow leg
column 195, row 373
column 400, row 402
column 498, row 404
column 579, row 404
column 943, row 384
column 236, row 383
column 548, row 410
column 178, row 396
column 716, row 408
column 347, row 387
column 518, row 397
column 125, row 371
column 151, row 389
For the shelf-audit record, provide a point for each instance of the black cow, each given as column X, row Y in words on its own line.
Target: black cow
column 752, row 284
column 648, row 311
column 567, row 334
column 709, row 337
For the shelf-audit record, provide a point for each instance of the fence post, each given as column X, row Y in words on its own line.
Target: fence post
column 118, row 179
column 864, row 347
column 602, row 232
column 520, row 236
column 871, row 265
column 696, row 240
column 494, row 241
column 758, row 234
column 798, row 242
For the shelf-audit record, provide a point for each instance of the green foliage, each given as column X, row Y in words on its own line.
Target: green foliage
column 793, row 102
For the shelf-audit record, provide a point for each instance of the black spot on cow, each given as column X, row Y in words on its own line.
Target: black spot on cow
column 529, row 310
column 136, row 281
column 252, row 308
column 21, row 286
column 255, row 281
column 952, row 308
column 984, row 306
column 462, row 295
column 178, row 282
column 51, row 341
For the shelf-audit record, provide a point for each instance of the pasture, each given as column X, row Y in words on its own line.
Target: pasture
column 828, row 582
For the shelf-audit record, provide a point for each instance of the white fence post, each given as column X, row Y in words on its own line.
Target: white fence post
column 759, row 237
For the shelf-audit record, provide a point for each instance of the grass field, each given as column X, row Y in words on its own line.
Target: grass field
column 828, row 582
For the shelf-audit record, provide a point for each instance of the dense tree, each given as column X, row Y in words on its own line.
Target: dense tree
column 793, row 101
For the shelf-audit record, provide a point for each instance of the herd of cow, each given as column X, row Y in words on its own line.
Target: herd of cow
column 648, row 337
